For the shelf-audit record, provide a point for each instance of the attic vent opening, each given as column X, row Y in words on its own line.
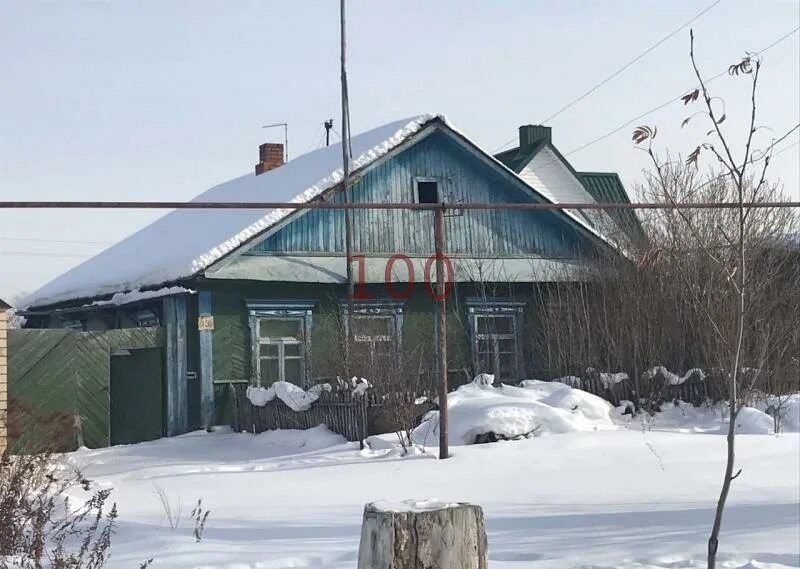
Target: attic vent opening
column 427, row 191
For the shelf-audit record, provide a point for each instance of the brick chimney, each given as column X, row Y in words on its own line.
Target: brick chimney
column 530, row 134
column 270, row 155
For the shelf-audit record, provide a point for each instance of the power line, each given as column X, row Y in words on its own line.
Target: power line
column 315, row 141
column 615, row 74
column 627, row 65
column 792, row 145
column 37, row 254
column 668, row 102
column 660, row 106
column 66, row 241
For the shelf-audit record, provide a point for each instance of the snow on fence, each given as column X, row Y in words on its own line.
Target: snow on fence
column 340, row 410
column 349, row 412
column 654, row 387
column 356, row 413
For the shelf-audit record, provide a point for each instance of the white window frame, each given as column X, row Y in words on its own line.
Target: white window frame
column 489, row 308
column 301, row 312
column 380, row 310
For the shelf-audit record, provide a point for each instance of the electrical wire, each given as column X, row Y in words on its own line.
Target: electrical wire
column 617, row 72
column 36, row 254
column 66, row 241
column 315, row 141
column 660, row 106
column 627, row 65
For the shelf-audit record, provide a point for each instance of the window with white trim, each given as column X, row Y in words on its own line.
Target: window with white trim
column 376, row 332
column 496, row 346
column 281, row 342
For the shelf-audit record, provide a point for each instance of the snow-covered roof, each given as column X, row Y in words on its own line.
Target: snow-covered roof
column 184, row 241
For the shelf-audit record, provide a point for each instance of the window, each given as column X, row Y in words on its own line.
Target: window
column 281, row 335
column 376, row 337
column 496, row 339
column 145, row 318
column 427, row 190
column 73, row 324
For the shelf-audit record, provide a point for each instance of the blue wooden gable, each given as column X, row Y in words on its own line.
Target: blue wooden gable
column 463, row 175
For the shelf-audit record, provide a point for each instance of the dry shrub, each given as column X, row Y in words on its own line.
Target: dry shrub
column 33, row 431
column 40, row 527
column 667, row 305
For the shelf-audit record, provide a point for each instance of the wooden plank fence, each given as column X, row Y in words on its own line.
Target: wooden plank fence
column 340, row 410
column 60, row 380
column 357, row 416
column 352, row 415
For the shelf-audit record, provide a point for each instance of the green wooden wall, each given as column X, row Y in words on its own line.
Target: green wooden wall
column 231, row 335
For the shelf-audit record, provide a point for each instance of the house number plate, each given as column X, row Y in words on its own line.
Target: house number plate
column 205, row 323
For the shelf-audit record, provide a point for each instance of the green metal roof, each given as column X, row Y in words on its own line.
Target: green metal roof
column 606, row 187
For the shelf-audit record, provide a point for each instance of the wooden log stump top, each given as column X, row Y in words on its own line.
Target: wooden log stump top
column 423, row 535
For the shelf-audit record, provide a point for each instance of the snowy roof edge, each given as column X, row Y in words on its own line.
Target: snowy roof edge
column 214, row 254
column 202, row 261
column 329, row 181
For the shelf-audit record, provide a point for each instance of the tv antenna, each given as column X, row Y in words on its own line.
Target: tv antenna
column 285, row 137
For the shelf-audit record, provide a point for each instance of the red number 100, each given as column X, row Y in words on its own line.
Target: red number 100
column 360, row 292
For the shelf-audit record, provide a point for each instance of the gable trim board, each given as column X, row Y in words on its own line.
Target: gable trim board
column 330, row 269
column 216, row 235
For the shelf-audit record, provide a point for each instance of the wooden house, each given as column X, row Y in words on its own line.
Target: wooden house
column 3, row 373
column 252, row 297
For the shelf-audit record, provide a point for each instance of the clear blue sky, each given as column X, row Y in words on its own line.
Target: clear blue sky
column 154, row 100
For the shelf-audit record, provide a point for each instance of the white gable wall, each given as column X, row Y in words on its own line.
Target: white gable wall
column 548, row 174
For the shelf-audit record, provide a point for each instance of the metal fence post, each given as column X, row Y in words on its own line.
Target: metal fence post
column 439, row 243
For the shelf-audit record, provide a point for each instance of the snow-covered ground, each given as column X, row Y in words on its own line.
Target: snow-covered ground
column 625, row 495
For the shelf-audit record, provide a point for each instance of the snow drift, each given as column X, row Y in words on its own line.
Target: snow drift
column 758, row 419
column 535, row 408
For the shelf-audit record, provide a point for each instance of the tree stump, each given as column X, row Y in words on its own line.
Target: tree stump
column 422, row 535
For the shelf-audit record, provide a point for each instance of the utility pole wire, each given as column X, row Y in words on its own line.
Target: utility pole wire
column 66, row 241
column 37, row 254
column 627, row 65
column 669, row 102
column 657, row 107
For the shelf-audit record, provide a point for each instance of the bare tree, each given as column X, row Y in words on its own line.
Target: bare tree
column 733, row 325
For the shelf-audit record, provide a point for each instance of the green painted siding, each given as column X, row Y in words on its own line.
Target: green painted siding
column 231, row 336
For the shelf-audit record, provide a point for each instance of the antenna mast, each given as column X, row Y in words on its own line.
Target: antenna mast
column 346, row 158
column 285, row 137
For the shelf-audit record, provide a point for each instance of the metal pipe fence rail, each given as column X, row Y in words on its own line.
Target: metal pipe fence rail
column 407, row 206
